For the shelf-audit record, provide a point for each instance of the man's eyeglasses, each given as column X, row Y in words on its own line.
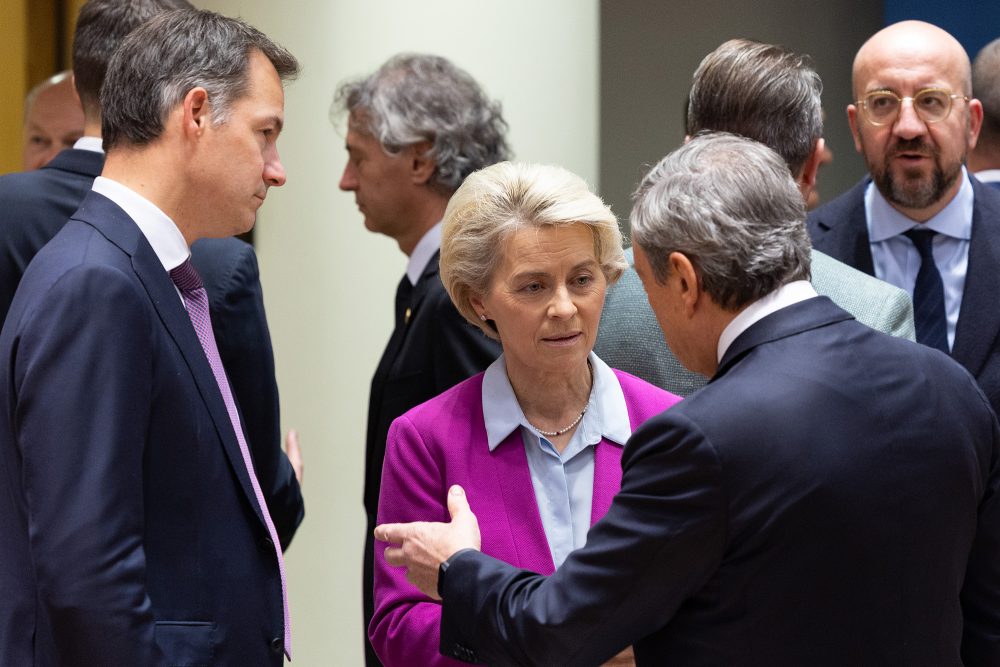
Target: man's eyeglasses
column 881, row 107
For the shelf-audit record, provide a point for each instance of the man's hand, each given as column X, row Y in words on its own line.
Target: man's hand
column 294, row 454
column 425, row 545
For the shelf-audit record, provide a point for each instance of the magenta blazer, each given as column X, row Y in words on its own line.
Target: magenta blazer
column 443, row 442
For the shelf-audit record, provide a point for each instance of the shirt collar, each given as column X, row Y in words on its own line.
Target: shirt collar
column 954, row 220
column 784, row 296
column 606, row 416
column 161, row 232
column 429, row 244
column 988, row 176
column 94, row 144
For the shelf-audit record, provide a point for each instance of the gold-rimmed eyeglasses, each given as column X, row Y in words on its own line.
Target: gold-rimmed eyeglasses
column 881, row 107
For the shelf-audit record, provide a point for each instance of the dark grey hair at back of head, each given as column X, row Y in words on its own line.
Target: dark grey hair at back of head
column 730, row 205
column 420, row 97
column 986, row 87
column 101, row 26
column 760, row 91
column 158, row 64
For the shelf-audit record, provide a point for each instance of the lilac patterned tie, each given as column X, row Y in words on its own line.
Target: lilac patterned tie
column 189, row 283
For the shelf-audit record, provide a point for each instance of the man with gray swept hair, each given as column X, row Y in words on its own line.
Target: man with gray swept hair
column 136, row 528
column 795, row 511
column 772, row 95
column 416, row 128
column 984, row 158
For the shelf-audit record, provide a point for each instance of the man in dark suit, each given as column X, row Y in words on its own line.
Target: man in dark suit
column 920, row 222
column 984, row 158
column 416, row 128
column 772, row 95
column 822, row 501
column 35, row 205
column 133, row 528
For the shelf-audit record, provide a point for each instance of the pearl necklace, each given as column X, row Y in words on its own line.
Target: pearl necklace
column 561, row 430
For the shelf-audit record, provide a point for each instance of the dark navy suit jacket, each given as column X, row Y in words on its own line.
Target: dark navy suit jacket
column 840, row 229
column 35, row 205
column 829, row 498
column 130, row 531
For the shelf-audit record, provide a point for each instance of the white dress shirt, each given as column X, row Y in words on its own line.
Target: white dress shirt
column 786, row 295
column 428, row 244
column 563, row 481
column 161, row 232
column 897, row 260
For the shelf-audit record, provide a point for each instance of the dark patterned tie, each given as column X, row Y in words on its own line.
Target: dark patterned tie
column 928, row 294
column 189, row 283
column 403, row 293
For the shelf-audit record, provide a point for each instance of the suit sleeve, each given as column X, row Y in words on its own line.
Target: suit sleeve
column 662, row 539
column 82, row 377
column 406, row 626
column 899, row 316
column 981, row 590
column 244, row 341
column 459, row 349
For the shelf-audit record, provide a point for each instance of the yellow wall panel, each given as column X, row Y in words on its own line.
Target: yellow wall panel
column 13, row 80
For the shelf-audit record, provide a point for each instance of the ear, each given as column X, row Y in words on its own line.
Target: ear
column 807, row 177
column 853, row 120
column 477, row 304
column 422, row 165
column 975, row 121
column 197, row 113
column 685, row 281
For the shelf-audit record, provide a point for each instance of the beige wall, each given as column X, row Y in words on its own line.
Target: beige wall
column 329, row 284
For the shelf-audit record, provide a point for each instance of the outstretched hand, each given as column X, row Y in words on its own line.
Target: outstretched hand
column 424, row 545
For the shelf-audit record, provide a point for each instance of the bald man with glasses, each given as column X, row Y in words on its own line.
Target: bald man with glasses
column 920, row 221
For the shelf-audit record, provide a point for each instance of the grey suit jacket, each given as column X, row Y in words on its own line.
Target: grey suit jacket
column 630, row 338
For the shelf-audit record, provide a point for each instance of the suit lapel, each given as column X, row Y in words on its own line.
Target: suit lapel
column 74, row 160
column 510, row 465
column 840, row 229
column 791, row 320
column 117, row 227
column 979, row 317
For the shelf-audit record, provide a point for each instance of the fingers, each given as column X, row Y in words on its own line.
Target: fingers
column 394, row 556
column 392, row 533
column 294, row 453
column 458, row 504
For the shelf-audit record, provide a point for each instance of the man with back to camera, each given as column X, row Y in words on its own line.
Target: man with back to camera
column 920, row 222
column 416, row 128
column 769, row 94
column 134, row 530
column 809, row 506
column 53, row 120
column 984, row 157
column 34, row 206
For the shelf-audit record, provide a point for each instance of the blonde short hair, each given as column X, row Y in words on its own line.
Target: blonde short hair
column 498, row 200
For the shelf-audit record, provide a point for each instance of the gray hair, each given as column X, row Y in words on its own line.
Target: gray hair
column 730, row 205
column 495, row 202
column 986, row 87
column 760, row 91
column 418, row 97
column 159, row 63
